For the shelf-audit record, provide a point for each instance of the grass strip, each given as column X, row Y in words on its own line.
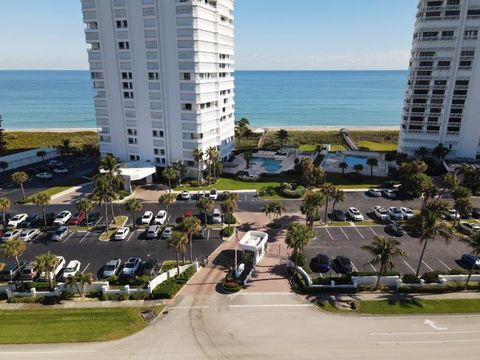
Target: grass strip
column 419, row 306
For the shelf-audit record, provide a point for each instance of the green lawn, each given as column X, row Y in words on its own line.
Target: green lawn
column 119, row 222
column 70, row 325
column 352, row 182
column 234, row 184
column 419, row 307
column 377, row 146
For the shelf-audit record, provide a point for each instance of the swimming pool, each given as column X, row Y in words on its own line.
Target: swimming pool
column 270, row 165
column 355, row 160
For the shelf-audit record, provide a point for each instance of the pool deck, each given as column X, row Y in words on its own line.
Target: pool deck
column 256, row 168
column 332, row 161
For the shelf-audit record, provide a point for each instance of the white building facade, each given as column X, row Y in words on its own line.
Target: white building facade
column 163, row 71
column 442, row 102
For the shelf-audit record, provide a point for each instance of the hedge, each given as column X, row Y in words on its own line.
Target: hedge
column 170, row 287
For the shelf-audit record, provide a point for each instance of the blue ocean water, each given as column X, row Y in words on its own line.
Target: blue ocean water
column 64, row 99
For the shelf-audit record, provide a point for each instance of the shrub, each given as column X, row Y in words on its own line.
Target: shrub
column 267, row 191
column 139, row 296
column 123, row 194
column 23, row 299
column 170, row 287
column 292, row 192
column 123, row 297
column 229, row 219
column 341, row 280
column 432, row 276
column 410, row 279
column 228, row 231
column 301, row 259
column 241, row 173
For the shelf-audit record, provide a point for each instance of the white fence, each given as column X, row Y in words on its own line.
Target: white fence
column 25, row 158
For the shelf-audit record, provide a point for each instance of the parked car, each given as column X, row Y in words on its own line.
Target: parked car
column 149, row 267
column 60, row 170
column 320, row 264
column 60, row 234
column 153, row 231
column 131, row 266
column 93, row 218
column 355, row 214
column 50, row 217
column 72, row 268
column 78, row 219
column 111, row 268
column 389, row 193
column 213, row 194
column 160, row 218
column 407, row 213
column 185, row 195
column 395, row 229
column 29, row 273
column 342, row 265
column 121, row 233
column 11, row 270
column 476, row 213
column 17, row 220
column 217, row 216
column 11, row 234
column 44, row 175
column 201, row 194
column 167, row 232
column 62, row 217
column 381, row 213
column 54, row 163
column 453, row 215
column 339, row 215
column 471, row 261
column 60, row 265
column 32, row 221
column 469, row 228
column 29, row 234
column 147, row 218
column 374, row 192
column 395, row 213
column 33, row 171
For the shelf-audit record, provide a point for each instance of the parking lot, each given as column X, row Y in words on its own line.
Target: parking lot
column 347, row 241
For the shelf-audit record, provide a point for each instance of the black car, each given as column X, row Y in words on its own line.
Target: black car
column 50, row 217
column 10, row 271
column 395, row 229
column 471, row 261
column 32, row 221
column 342, row 265
column 339, row 215
column 149, row 267
column 320, row 264
column 476, row 213
column 7, row 218
column 32, row 171
column 93, row 218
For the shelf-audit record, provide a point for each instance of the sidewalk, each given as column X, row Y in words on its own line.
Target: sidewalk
column 69, row 304
column 398, row 297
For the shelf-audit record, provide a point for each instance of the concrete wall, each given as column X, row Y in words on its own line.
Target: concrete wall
column 29, row 157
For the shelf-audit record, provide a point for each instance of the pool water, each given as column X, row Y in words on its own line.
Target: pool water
column 270, row 165
column 354, row 160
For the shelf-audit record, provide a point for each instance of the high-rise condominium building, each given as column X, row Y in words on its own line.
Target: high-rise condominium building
column 442, row 103
column 163, row 75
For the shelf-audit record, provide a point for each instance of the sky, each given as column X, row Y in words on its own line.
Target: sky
column 269, row 34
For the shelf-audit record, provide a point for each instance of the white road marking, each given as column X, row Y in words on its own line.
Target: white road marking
column 426, row 333
column 373, row 267
column 424, row 263
column 345, row 234
column 354, row 267
column 359, row 233
column 188, row 307
column 84, row 237
column 270, row 305
column 434, row 325
column 208, row 234
column 48, row 352
column 408, row 265
column 328, row 232
column 448, row 267
column 68, row 237
column 426, row 342
column 264, row 294
column 131, row 234
column 86, row 267
column 373, row 231
column 246, row 198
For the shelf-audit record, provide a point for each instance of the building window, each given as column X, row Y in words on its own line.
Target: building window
column 132, row 141
column 122, row 24
column 153, row 76
column 127, row 85
column 134, row 158
column 128, row 95
column 186, row 76
column 187, row 107
column 132, row 132
column 124, row 45
column 157, row 133
column 127, row 75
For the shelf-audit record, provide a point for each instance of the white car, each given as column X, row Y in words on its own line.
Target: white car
column 11, row 234
column 453, row 214
column 55, row 163
column 60, row 170
column 470, row 228
column 395, row 213
column 213, row 194
column 44, row 175
column 216, row 216
column 147, row 218
column 381, row 213
column 407, row 213
column 59, row 267
column 17, row 220
column 153, row 231
column 201, row 194
column 111, row 268
column 374, row 192
column 131, row 266
column 167, row 232
column 29, row 234
column 160, row 218
column 62, row 217
column 121, row 233
column 389, row 194
column 73, row 267
column 355, row 214
column 59, row 234
column 185, row 195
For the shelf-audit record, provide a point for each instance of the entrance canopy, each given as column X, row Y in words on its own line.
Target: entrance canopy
column 255, row 241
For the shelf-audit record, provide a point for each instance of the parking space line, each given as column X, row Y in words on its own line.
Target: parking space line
column 373, row 267
column 424, row 263
column 131, row 234
column 448, row 267
column 359, row 233
column 86, row 267
column 68, row 237
column 328, row 232
column 84, row 237
column 373, row 231
column 246, row 198
column 344, row 233
column 354, row 267
column 408, row 265
column 99, row 219
column 208, row 234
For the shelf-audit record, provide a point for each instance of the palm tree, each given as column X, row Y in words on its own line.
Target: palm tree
column 46, row 263
column 14, row 248
column 178, row 242
column 328, row 191
column 372, row 162
column 86, row 205
column 109, row 164
column 473, row 242
column 431, row 227
column 191, row 226
column 198, row 157
column 384, row 250
column 298, row 237
column 19, row 178
column 338, row 197
column 248, row 158
column 228, row 207
column 358, row 168
column 79, row 278
column 65, row 148
column 3, row 166
column 205, row 205
column 102, row 194
column 429, row 192
column 134, row 206
column 42, row 200
column 268, row 210
column 171, row 175
column 5, row 205
column 42, row 154
column 278, row 209
column 282, row 136
column 212, row 154
column 167, row 200
column 312, row 202
column 343, row 165
column 422, row 152
column 440, row 153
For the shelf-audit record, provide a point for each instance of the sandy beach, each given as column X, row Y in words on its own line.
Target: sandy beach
column 333, row 128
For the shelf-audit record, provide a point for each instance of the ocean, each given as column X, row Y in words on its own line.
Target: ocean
column 64, row 99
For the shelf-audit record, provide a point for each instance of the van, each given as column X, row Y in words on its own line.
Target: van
column 60, row 266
